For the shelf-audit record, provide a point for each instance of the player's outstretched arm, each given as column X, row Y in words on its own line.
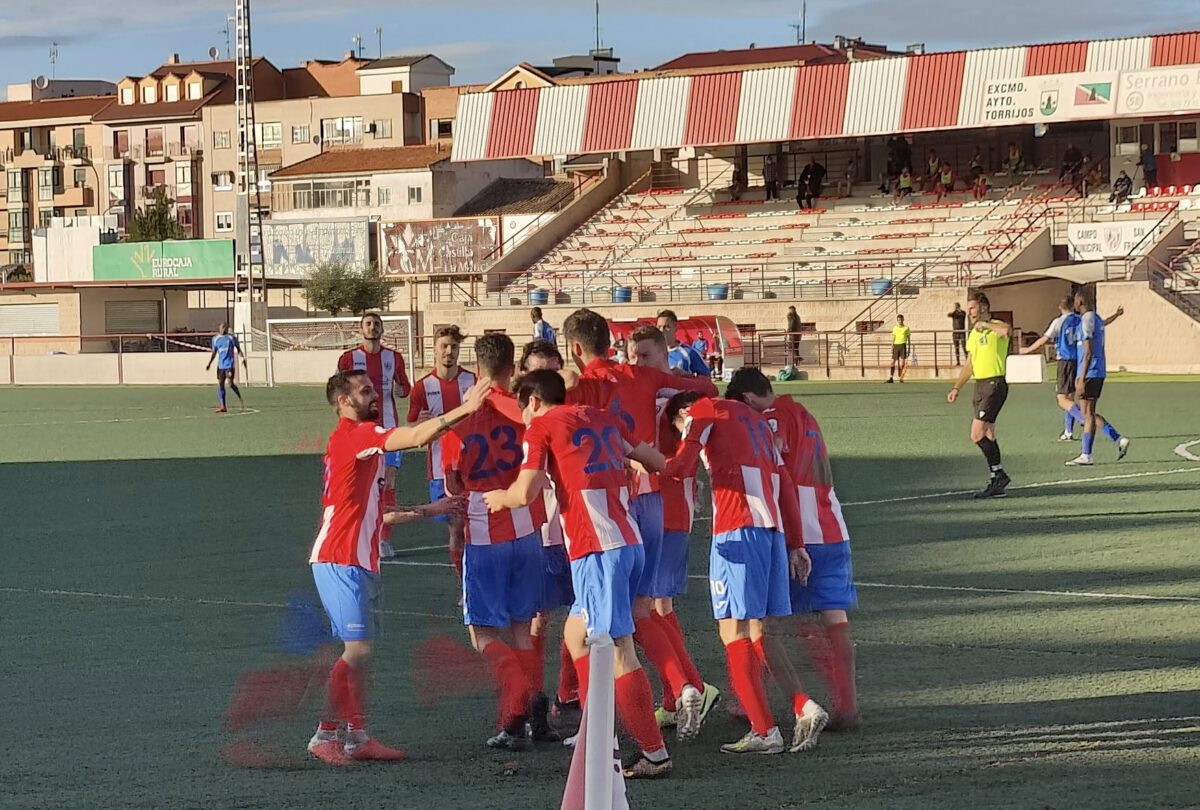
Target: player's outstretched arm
column 1033, row 347
column 1120, row 311
column 405, row 438
column 648, row 456
column 1000, row 328
column 963, row 376
column 529, row 485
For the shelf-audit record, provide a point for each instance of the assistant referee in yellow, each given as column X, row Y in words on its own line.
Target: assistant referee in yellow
column 987, row 348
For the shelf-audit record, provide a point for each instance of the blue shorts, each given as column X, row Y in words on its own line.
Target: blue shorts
column 605, row 583
column 393, row 458
column 556, row 579
column 502, row 582
column 671, row 577
column 352, row 599
column 647, row 513
column 748, row 574
column 830, row 586
column 437, row 491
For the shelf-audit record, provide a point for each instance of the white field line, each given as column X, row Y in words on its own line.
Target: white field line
column 176, row 600
column 246, row 412
column 407, row 550
column 1184, row 451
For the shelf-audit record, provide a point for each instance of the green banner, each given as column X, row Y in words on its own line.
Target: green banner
column 188, row 258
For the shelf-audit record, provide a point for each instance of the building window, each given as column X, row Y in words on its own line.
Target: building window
column 269, row 135
column 171, row 92
column 116, row 183
column 126, row 95
column 80, row 178
column 121, row 143
column 149, row 94
column 224, row 221
column 385, row 196
column 221, row 139
column 194, row 90
column 1128, row 141
column 44, row 217
column 414, row 195
column 222, row 181
column 1188, row 142
column 16, row 186
column 78, row 140
column 265, row 170
column 154, row 142
column 183, row 179
column 183, row 214
column 18, row 226
column 46, row 183
column 382, row 128
column 300, row 134
column 445, row 128
column 348, row 129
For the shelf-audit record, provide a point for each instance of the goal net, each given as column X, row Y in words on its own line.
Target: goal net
column 332, row 335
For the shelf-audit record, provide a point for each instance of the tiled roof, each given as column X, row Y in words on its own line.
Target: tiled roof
column 46, row 109
column 512, row 196
column 184, row 108
column 812, row 53
column 366, row 161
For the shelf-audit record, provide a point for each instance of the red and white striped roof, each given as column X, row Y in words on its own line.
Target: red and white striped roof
column 789, row 103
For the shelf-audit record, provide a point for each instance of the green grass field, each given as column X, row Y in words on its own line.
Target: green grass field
column 1039, row 651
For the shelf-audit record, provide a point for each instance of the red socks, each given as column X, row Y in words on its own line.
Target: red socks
column 774, row 657
column 635, row 707
column 511, row 678
column 670, row 626
column 533, row 667
column 841, row 645
column 347, row 690
column 568, row 679
column 658, row 648
column 745, row 670
column 580, row 665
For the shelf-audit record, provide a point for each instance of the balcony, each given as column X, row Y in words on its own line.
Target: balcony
column 148, row 191
column 31, row 158
column 185, row 151
column 78, row 197
column 73, row 155
column 125, row 152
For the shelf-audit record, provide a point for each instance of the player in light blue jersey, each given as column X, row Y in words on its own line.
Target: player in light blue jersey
column 226, row 350
column 680, row 355
column 1089, row 380
column 1064, row 333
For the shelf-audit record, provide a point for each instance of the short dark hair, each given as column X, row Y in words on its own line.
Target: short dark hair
column 1067, row 301
column 982, row 300
column 540, row 348
column 590, row 330
column 451, row 331
column 684, row 399
column 536, row 312
column 899, row 317
column 748, row 380
column 1082, row 295
column 648, row 332
column 494, row 353
column 366, row 315
column 339, row 384
column 546, row 385
column 669, row 313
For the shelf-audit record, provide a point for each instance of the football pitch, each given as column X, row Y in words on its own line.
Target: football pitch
column 1036, row 651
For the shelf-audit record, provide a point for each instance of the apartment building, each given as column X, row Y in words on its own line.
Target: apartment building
column 50, row 152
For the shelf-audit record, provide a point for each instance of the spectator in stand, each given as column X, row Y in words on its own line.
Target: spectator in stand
column 981, row 187
column 700, row 344
column 1149, row 167
column 812, row 178
column 738, row 186
column 849, row 177
column 958, row 317
column 1122, row 188
column 1013, row 162
column 1072, row 162
column 793, row 336
column 904, row 186
column 976, row 167
column 945, row 180
column 932, row 168
column 541, row 329
column 1089, row 175
column 771, row 177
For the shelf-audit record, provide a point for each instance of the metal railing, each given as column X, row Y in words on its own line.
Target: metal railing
column 554, row 207
column 826, row 352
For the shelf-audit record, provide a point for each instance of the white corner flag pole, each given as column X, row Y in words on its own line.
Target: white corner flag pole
column 596, row 762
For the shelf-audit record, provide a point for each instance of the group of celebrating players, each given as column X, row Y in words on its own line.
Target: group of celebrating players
column 575, row 488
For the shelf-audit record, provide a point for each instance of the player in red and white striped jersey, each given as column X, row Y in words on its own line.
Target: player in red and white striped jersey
column 502, row 561
column 751, row 558
column 631, row 393
column 385, row 369
column 648, row 349
column 830, row 590
column 345, row 554
column 584, row 451
column 557, row 592
column 434, row 394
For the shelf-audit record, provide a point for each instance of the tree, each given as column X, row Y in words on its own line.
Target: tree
column 156, row 221
column 334, row 286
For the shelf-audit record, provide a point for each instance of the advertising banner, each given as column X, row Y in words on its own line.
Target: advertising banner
column 1107, row 240
column 183, row 259
column 295, row 249
column 1166, row 91
column 1045, row 99
column 440, row 246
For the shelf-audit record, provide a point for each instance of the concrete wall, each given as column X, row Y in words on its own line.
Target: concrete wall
column 63, row 252
column 303, row 367
column 65, row 369
column 1033, row 303
column 1153, row 336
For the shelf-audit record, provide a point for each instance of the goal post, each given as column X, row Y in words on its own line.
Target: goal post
column 331, row 335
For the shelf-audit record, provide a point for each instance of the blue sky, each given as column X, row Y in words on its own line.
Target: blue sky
column 108, row 40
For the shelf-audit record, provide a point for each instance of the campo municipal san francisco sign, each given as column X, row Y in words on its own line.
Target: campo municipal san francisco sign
column 188, row 258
